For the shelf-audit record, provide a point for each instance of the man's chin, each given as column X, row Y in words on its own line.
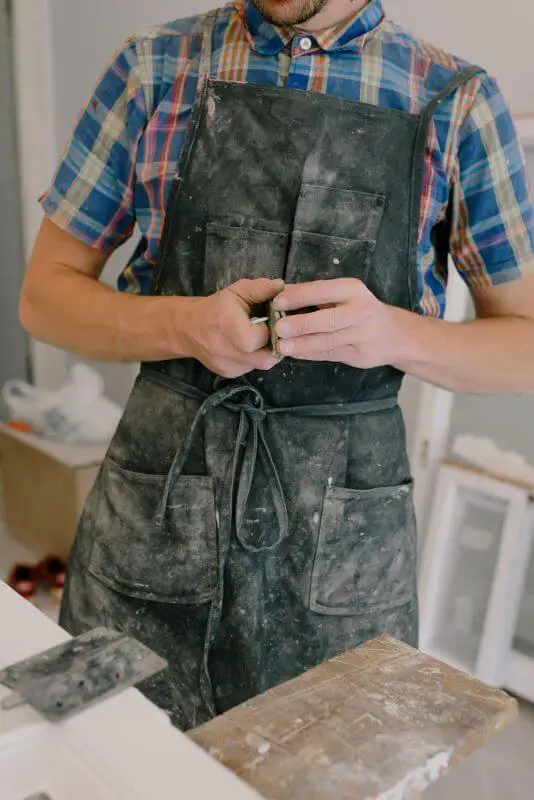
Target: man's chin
column 289, row 12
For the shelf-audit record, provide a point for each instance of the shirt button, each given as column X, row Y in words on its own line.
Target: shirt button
column 306, row 44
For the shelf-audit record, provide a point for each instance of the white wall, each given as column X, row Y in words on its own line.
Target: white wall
column 490, row 33
column 86, row 34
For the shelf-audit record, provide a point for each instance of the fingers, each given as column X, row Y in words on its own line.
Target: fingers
column 328, row 320
column 221, row 335
column 340, row 355
column 317, row 346
column 263, row 361
column 247, row 338
column 316, row 293
column 266, row 361
column 255, row 292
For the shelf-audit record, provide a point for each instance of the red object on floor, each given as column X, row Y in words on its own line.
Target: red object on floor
column 52, row 572
column 21, row 427
column 24, row 580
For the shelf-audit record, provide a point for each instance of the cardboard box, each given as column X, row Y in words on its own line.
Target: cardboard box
column 44, row 489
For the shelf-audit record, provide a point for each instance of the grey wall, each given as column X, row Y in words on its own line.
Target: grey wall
column 476, row 31
column 13, row 360
column 86, row 34
column 509, row 421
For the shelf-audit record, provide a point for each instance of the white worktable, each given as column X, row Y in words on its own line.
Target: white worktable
column 124, row 748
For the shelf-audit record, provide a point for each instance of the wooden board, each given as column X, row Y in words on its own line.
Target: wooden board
column 473, row 469
column 380, row 723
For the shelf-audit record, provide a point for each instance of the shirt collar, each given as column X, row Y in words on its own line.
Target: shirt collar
column 270, row 39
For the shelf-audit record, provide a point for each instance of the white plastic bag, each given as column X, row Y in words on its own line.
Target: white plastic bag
column 77, row 413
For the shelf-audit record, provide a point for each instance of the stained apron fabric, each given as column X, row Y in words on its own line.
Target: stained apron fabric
column 249, row 530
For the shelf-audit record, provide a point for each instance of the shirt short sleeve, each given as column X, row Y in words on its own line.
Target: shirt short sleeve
column 92, row 193
column 492, row 231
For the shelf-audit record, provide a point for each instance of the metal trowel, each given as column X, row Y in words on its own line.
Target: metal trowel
column 274, row 316
column 270, row 321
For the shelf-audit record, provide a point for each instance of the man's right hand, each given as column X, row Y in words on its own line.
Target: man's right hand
column 220, row 334
column 64, row 304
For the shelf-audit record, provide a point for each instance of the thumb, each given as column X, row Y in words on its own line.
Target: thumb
column 254, row 292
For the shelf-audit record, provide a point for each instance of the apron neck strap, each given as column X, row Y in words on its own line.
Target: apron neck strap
column 459, row 79
column 206, row 54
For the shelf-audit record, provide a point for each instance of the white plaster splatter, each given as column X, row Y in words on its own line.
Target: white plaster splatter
column 420, row 778
column 392, row 708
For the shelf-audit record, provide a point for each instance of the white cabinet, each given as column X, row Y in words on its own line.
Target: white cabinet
column 520, row 669
column 121, row 749
column 477, row 581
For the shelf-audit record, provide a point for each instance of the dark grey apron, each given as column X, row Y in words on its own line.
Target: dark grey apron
column 248, row 530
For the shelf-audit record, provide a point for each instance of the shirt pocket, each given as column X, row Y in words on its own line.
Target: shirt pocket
column 234, row 252
column 175, row 562
column 334, row 233
column 365, row 560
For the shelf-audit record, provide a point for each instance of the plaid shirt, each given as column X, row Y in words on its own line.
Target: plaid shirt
column 119, row 165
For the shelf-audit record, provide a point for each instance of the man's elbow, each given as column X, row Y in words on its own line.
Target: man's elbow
column 30, row 312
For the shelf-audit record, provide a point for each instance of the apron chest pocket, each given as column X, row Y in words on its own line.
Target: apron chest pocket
column 365, row 560
column 174, row 563
column 335, row 233
column 234, row 252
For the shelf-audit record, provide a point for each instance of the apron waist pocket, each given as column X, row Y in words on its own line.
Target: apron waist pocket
column 365, row 560
column 175, row 562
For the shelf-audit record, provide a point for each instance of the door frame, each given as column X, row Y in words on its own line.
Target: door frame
column 15, row 356
column 38, row 151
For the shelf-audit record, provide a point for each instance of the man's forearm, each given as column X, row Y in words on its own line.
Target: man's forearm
column 486, row 356
column 74, row 312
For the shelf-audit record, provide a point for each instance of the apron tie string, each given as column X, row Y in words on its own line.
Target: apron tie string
column 251, row 445
column 251, row 437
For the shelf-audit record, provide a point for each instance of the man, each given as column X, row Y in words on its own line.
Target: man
column 254, row 515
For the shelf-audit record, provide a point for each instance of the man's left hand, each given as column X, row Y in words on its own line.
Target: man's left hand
column 351, row 326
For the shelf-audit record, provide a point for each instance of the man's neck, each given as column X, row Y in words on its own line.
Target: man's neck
column 334, row 12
